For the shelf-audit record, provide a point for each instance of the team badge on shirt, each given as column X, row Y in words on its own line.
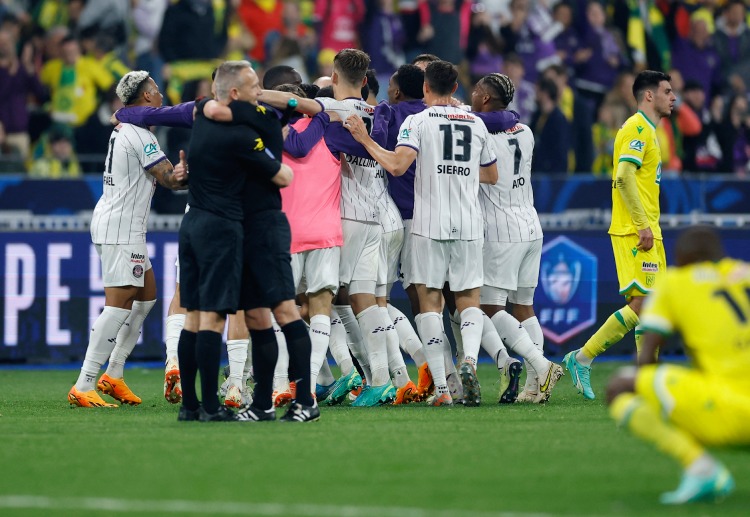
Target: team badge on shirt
column 637, row 145
column 150, row 149
column 138, row 271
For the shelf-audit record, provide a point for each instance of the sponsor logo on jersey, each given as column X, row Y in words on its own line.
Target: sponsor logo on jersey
column 637, row 145
column 137, row 258
column 405, row 134
column 639, row 128
column 259, row 145
column 651, row 267
column 468, row 117
column 150, row 149
column 260, row 109
column 658, row 174
column 567, row 300
column 138, row 271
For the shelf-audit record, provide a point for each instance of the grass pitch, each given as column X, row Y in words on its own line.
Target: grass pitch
column 565, row 458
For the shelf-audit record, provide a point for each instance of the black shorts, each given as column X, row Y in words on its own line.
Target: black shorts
column 267, row 264
column 210, row 262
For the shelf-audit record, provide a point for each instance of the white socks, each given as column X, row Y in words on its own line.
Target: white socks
column 396, row 364
column 373, row 328
column 320, row 334
column 128, row 337
column 281, row 372
column 339, row 349
column 237, row 352
column 354, row 339
column 247, row 370
column 408, row 338
column 534, row 329
column 518, row 340
column 472, row 322
column 101, row 343
column 430, row 326
column 492, row 343
column 175, row 324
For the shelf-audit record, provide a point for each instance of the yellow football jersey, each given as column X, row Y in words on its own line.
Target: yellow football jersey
column 709, row 305
column 636, row 143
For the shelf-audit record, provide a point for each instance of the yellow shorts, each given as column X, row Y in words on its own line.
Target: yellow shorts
column 637, row 271
column 713, row 411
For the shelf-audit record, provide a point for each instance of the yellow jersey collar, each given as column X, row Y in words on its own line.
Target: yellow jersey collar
column 647, row 120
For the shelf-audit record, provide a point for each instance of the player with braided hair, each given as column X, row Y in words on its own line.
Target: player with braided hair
column 512, row 250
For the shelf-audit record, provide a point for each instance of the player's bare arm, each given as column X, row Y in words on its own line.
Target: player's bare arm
column 396, row 162
column 168, row 176
column 649, row 353
column 281, row 100
column 284, row 177
column 626, row 184
column 488, row 174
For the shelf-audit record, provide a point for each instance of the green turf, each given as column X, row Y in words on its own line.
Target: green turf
column 565, row 458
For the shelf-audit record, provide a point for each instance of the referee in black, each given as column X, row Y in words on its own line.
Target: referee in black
column 267, row 281
column 225, row 160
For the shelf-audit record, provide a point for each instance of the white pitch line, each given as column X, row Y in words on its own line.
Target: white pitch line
column 235, row 508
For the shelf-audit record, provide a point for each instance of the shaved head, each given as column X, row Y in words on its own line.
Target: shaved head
column 698, row 244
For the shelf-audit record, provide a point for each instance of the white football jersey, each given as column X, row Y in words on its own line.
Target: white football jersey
column 359, row 198
column 121, row 215
column 508, row 206
column 390, row 217
column 451, row 145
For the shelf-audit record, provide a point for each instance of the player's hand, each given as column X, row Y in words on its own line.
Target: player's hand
column 285, row 131
column 356, row 127
column 181, row 169
column 284, row 177
column 113, row 119
column 645, row 239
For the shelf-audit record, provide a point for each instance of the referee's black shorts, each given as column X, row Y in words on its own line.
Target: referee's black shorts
column 210, row 262
column 267, row 264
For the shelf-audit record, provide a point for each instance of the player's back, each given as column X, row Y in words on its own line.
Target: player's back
column 121, row 214
column 359, row 176
column 636, row 143
column 508, row 205
column 452, row 146
column 709, row 305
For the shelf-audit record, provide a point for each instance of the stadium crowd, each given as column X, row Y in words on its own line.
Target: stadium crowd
column 572, row 61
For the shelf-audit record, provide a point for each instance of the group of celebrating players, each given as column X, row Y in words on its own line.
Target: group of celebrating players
column 419, row 188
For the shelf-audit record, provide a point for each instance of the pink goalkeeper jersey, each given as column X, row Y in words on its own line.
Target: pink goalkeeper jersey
column 312, row 202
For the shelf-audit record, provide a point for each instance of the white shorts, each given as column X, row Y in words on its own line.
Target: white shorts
column 511, row 272
column 435, row 262
column 123, row 264
column 510, row 265
column 358, row 267
column 388, row 256
column 405, row 265
column 315, row 270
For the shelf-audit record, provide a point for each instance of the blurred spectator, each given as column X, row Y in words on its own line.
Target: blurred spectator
column 74, row 82
column 10, row 159
column 579, row 112
column 287, row 52
column 53, row 43
column 531, row 34
column 338, row 21
column 148, row 16
column 295, row 27
column 415, row 19
column 110, row 16
column 100, row 46
column 551, row 131
column 261, row 17
column 599, row 58
column 604, row 132
column 484, row 47
column 702, row 152
column 734, row 135
column 92, row 138
column 695, row 56
column 192, row 38
column 568, row 41
column 671, row 130
column 449, row 23
column 732, row 41
column 18, row 81
column 524, row 101
column 54, row 13
column 373, row 88
column 58, row 160
column 621, row 94
column 383, row 38
column 325, row 63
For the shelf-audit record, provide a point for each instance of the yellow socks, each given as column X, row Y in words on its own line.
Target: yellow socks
column 644, row 421
column 613, row 330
